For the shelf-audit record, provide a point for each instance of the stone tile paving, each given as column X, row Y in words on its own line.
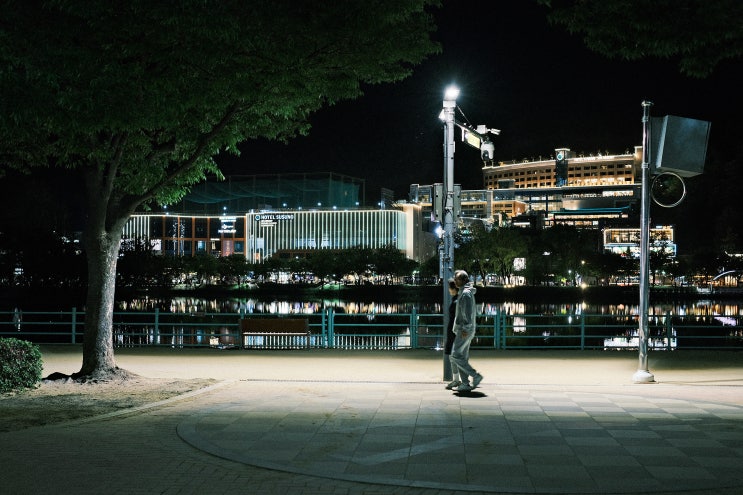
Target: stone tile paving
column 496, row 439
column 556, row 423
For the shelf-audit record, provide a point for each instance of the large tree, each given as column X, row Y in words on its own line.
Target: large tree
column 138, row 96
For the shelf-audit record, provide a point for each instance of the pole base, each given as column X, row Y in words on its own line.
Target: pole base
column 643, row 376
column 448, row 373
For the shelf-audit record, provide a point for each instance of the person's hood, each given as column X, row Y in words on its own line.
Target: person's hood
column 470, row 286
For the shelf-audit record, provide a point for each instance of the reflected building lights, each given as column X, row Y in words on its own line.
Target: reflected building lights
column 699, row 310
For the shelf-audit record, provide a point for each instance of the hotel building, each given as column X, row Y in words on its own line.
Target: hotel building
column 600, row 190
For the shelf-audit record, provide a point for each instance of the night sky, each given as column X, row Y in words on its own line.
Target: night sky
column 540, row 85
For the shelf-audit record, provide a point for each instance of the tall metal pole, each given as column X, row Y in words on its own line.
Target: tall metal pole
column 447, row 261
column 643, row 375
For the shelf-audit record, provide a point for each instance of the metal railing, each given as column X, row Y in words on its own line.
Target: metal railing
column 332, row 329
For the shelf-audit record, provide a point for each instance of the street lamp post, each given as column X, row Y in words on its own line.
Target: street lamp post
column 680, row 148
column 447, row 251
column 643, row 375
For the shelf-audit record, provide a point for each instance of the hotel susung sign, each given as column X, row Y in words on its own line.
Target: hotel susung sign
column 271, row 219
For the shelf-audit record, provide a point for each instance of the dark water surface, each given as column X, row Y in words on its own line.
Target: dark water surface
column 382, row 299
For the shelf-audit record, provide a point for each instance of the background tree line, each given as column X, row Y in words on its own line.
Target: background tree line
column 560, row 255
column 52, row 261
column 564, row 255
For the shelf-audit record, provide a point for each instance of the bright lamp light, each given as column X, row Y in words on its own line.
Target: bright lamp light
column 451, row 93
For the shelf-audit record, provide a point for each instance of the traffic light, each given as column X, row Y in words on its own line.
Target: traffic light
column 561, row 169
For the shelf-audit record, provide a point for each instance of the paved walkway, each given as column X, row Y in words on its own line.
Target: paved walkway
column 553, row 422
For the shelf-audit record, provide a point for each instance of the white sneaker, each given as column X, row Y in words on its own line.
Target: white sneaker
column 453, row 384
column 464, row 387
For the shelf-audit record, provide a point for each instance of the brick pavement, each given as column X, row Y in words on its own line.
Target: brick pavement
column 371, row 423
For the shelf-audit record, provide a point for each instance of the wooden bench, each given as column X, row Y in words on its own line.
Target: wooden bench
column 275, row 333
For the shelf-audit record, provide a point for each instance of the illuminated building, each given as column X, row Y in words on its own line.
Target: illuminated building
column 600, row 189
column 605, row 170
column 293, row 215
column 188, row 234
column 601, row 192
column 279, row 233
column 626, row 241
column 289, row 234
column 281, row 215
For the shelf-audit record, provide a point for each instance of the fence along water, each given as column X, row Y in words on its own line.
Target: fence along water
column 386, row 331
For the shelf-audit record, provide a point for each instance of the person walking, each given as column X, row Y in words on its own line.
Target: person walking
column 450, row 335
column 464, row 328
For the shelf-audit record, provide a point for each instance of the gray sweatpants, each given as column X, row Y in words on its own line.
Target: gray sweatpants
column 460, row 357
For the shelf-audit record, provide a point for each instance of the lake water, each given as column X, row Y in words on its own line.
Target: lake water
column 385, row 302
column 716, row 323
column 288, row 306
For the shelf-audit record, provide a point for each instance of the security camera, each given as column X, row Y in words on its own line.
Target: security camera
column 487, row 151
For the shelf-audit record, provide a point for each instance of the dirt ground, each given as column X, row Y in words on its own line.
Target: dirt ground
column 65, row 400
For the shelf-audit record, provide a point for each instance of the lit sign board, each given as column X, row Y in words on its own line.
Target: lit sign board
column 228, row 225
column 271, row 219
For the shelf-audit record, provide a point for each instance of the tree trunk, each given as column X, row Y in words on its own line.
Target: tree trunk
column 102, row 249
column 102, row 240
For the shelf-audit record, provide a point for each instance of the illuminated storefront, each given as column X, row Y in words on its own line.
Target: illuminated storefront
column 281, row 233
column 189, row 235
column 626, row 241
column 296, row 233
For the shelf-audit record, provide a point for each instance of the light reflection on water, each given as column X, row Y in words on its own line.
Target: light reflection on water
column 192, row 305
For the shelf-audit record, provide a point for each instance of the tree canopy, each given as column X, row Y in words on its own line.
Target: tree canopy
column 699, row 33
column 146, row 93
column 137, row 97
